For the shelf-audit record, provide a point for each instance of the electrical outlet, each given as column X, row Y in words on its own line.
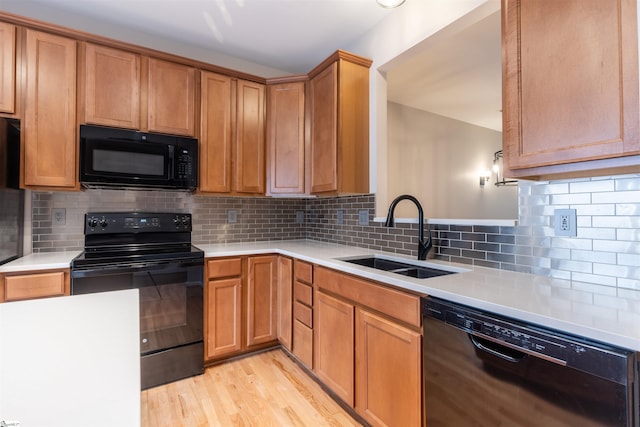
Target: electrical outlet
column 59, row 216
column 363, row 217
column 564, row 222
column 232, row 216
column 299, row 217
column 340, row 216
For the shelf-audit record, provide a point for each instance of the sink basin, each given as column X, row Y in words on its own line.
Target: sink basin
column 392, row 266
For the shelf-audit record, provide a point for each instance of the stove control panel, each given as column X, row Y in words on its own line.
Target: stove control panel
column 136, row 222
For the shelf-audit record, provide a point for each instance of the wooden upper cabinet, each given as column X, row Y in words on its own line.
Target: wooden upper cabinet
column 171, row 97
column 250, row 138
column 7, row 68
column 215, row 133
column 50, row 155
column 570, row 86
column 339, row 91
column 286, row 138
column 109, row 87
column 232, row 135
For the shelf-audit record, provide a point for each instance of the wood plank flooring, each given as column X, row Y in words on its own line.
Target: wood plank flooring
column 266, row 389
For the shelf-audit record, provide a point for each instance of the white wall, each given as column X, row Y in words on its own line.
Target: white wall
column 409, row 29
column 439, row 160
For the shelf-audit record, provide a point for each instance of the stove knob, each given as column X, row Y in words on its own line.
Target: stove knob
column 185, row 220
column 176, row 221
column 92, row 222
column 104, row 222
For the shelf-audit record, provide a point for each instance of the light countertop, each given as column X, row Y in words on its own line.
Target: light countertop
column 601, row 313
column 71, row 361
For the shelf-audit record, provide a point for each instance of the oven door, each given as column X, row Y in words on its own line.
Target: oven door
column 171, row 298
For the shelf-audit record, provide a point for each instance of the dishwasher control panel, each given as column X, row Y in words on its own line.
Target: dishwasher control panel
column 533, row 340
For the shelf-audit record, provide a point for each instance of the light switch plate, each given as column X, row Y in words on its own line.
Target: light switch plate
column 340, row 216
column 299, row 217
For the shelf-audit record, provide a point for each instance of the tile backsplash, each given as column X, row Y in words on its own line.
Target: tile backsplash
column 605, row 251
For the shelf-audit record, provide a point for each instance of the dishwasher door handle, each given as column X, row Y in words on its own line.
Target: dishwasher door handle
column 496, row 352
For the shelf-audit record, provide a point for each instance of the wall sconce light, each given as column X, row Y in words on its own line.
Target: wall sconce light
column 498, row 170
column 484, row 178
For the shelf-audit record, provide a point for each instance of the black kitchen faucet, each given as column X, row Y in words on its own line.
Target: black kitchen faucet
column 423, row 245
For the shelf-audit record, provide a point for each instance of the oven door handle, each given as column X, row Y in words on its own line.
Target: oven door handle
column 105, row 270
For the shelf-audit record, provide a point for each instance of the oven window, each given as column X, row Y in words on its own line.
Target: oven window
column 163, row 307
column 128, row 162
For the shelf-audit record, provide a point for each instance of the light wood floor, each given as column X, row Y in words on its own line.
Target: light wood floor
column 266, row 389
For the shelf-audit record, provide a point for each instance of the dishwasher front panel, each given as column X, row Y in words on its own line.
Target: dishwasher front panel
column 472, row 378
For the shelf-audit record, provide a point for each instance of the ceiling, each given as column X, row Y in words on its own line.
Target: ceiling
column 458, row 76
column 288, row 35
column 455, row 76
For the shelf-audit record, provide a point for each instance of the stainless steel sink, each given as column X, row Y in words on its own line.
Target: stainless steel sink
column 392, row 266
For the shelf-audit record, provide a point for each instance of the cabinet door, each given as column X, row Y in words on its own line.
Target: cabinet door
column 250, row 138
column 285, row 138
column 285, row 298
column 7, row 68
column 111, row 84
column 215, row 134
column 261, row 300
column 570, row 82
column 224, row 317
column 171, row 98
column 50, row 111
column 334, row 345
column 388, row 364
column 324, row 144
column 34, row 285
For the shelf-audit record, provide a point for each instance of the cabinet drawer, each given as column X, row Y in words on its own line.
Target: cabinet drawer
column 303, row 271
column 227, row 267
column 303, row 313
column 303, row 293
column 394, row 303
column 303, row 343
column 34, row 286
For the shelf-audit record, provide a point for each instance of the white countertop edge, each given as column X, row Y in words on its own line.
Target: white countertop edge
column 445, row 221
column 522, row 296
column 40, row 261
column 442, row 287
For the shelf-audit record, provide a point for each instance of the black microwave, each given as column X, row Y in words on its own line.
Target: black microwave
column 121, row 158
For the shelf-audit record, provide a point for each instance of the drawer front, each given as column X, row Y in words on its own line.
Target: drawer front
column 303, row 343
column 303, row 271
column 226, row 267
column 397, row 304
column 30, row 286
column 303, row 293
column 303, row 313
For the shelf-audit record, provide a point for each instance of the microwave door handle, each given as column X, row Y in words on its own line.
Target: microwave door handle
column 171, row 163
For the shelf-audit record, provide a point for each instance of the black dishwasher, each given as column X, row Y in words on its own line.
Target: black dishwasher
column 485, row 370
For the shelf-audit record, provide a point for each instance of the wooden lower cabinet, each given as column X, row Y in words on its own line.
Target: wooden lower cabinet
column 366, row 355
column 261, row 310
column 388, row 372
column 32, row 285
column 333, row 346
column 303, row 313
column 240, row 305
column 224, row 318
column 285, row 299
